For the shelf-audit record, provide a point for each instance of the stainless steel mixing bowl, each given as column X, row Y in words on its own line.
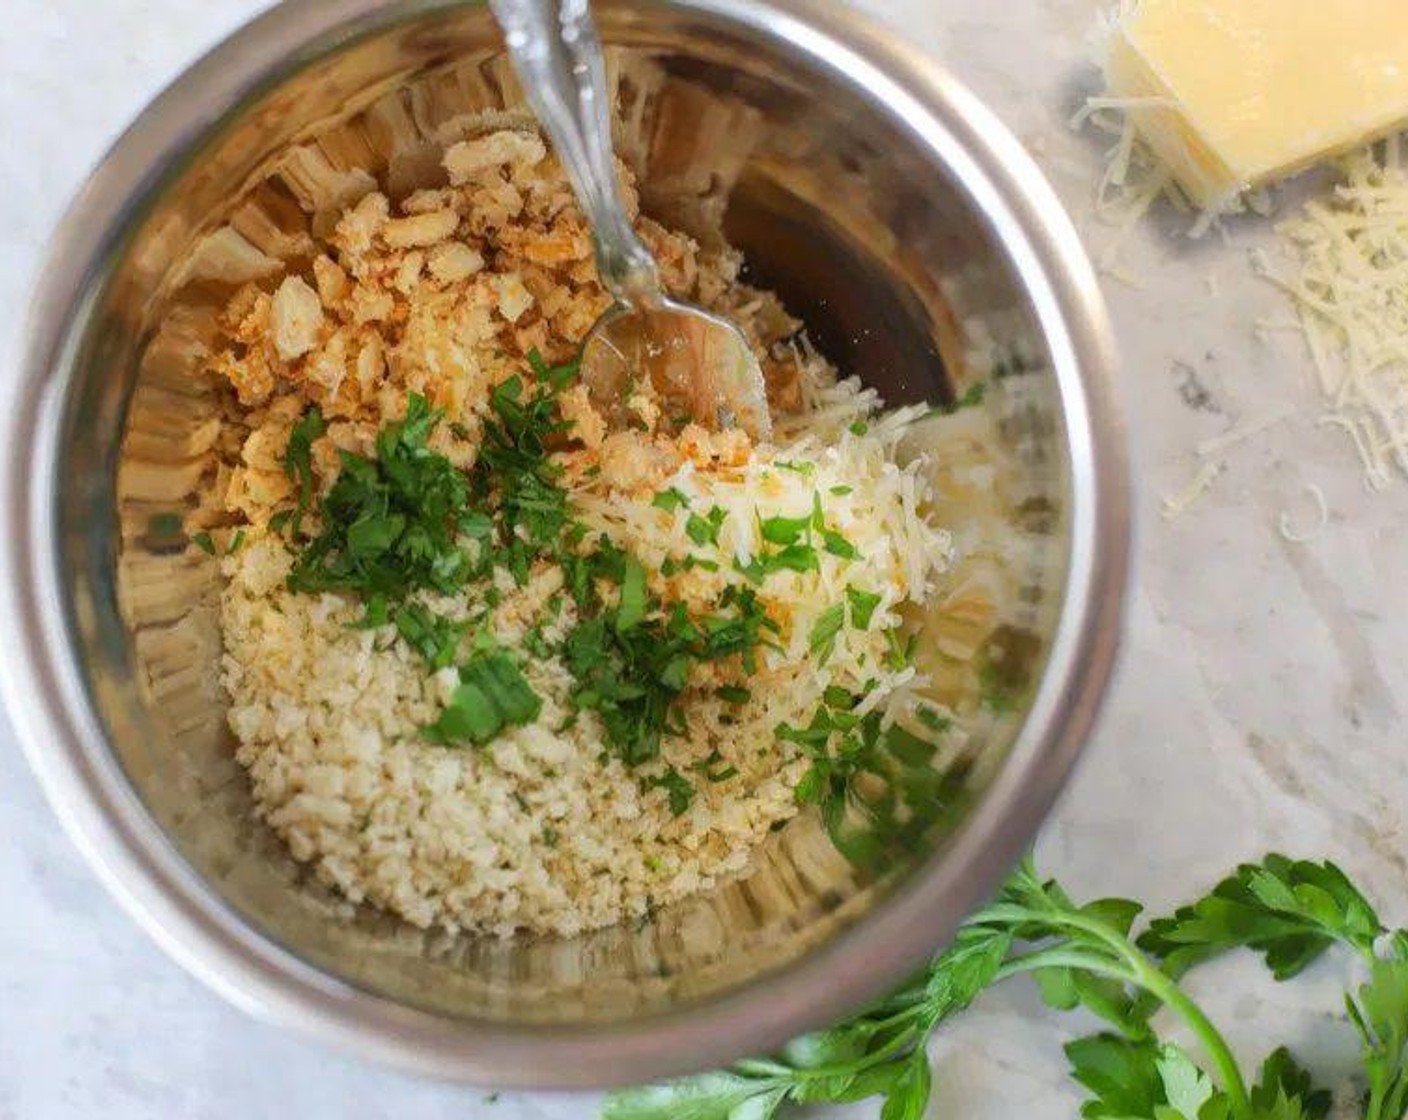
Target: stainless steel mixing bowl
column 889, row 209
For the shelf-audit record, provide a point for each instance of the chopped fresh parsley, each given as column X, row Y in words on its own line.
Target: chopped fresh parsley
column 784, row 530
column 900, row 654
column 711, row 770
column 492, row 694
column 670, row 500
column 392, row 525
column 863, row 604
column 705, row 530
column 631, row 611
column 797, row 466
column 557, row 377
column 827, row 626
column 203, row 541
column 792, row 558
column 435, row 638
column 376, row 612
column 298, row 459
column 901, row 783
column 838, row 545
column 859, row 428
column 677, row 788
column 733, row 694
column 631, row 675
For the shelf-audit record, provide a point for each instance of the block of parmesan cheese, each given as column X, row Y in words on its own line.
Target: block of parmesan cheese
column 1232, row 94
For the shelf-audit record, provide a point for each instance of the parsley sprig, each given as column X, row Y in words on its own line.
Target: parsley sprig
column 1087, row 956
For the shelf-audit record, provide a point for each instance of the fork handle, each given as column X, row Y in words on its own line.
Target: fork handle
column 557, row 55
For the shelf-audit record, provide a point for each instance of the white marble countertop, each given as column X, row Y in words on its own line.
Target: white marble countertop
column 1257, row 706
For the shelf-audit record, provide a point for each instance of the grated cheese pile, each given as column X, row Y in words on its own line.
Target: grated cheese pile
column 1349, row 285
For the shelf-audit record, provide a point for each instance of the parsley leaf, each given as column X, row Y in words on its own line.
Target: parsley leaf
column 1290, row 911
column 825, row 629
column 631, row 611
column 1379, row 1012
column 678, row 789
column 1284, row 1091
column 838, row 545
column 705, row 530
column 863, row 604
column 670, row 500
column 435, row 638
column 298, row 459
column 493, row 694
column 709, row 1096
column 1121, row 1074
column 784, row 530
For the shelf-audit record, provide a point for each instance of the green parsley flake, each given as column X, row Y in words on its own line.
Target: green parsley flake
column 436, row 639
column 784, row 530
column 705, row 530
column 493, row 694
column 670, row 500
column 631, row 611
column 838, row 545
column 733, row 694
column 298, row 459
column 711, row 770
column 677, row 788
column 203, row 541
column 863, row 604
column 824, row 631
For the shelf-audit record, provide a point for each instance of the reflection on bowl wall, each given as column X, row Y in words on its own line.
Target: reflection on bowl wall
column 887, row 210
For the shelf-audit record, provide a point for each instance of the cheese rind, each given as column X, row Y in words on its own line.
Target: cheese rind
column 1231, row 94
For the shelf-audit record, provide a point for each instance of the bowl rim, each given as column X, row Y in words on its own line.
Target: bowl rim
column 67, row 750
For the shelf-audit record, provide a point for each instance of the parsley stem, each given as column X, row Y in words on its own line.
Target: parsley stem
column 1145, row 975
column 1059, row 956
column 1157, row 984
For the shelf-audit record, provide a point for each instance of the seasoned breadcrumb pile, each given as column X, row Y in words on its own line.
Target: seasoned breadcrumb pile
column 446, row 295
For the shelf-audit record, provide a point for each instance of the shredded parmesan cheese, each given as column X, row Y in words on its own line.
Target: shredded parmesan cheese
column 1176, row 505
column 1349, row 285
column 1240, row 433
column 1322, row 518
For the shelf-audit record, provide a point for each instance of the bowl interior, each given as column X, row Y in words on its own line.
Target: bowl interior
column 840, row 206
